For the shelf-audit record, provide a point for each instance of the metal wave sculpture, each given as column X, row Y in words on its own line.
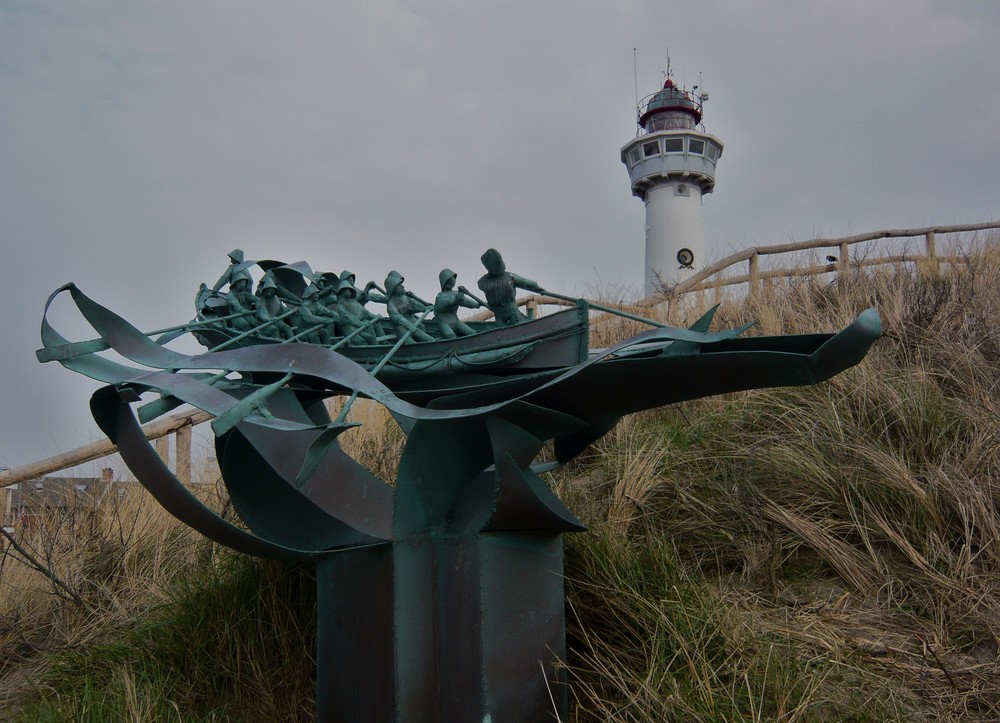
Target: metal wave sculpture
column 440, row 596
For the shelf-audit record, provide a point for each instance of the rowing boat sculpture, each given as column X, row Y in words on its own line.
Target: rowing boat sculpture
column 440, row 596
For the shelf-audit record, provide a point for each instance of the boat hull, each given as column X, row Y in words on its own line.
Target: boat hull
column 548, row 342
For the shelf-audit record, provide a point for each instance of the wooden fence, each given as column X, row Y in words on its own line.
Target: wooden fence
column 710, row 278
column 713, row 277
column 178, row 425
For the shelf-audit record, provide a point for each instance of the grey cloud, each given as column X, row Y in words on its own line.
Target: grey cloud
column 141, row 142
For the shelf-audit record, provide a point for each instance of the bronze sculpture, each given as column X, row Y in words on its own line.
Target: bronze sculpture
column 440, row 596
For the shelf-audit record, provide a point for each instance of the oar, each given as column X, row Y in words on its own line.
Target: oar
column 472, row 296
column 382, row 362
column 164, row 404
column 318, row 449
column 608, row 309
column 408, row 293
column 255, row 402
column 310, row 330
column 78, row 348
column 157, row 407
column 367, row 325
column 245, row 334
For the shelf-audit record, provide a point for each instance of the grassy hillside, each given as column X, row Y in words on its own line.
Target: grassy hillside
column 823, row 553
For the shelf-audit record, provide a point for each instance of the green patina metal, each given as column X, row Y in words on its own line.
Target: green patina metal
column 440, row 596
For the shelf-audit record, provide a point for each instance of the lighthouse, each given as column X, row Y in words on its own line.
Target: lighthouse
column 671, row 164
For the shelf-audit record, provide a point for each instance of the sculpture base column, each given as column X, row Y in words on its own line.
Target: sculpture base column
column 354, row 648
column 480, row 628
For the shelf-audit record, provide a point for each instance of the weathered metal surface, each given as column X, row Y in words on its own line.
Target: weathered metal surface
column 440, row 597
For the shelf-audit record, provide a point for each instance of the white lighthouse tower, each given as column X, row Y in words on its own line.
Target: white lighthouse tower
column 671, row 164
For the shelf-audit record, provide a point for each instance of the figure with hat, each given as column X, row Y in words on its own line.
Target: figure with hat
column 271, row 311
column 402, row 306
column 237, row 270
column 500, row 288
column 313, row 314
column 241, row 301
column 447, row 303
column 354, row 316
column 363, row 295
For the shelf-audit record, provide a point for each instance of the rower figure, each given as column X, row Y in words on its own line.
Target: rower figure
column 363, row 295
column 237, row 270
column 313, row 314
column 500, row 287
column 270, row 308
column 241, row 301
column 447, row 303
column 354, row 316
column 402, row 306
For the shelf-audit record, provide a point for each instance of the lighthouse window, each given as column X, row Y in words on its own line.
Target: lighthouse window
column 712, row 152
column 696, row 146
column 652, row 148
column 633, row 156
column 673, row 145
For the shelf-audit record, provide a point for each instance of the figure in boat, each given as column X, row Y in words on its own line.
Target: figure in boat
column 295, row 303
column 353, row 316
column 316, row 317
column 402, row 307
column 241, row 301
column 271, row 312
column 447, row 303
column 363, row 295
column 500, row 287
column 237, row 270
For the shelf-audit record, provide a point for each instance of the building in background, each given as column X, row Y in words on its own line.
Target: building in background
column 671, row 164
column 26, row 502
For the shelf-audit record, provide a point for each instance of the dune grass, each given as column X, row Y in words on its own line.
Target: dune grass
column 802, row 554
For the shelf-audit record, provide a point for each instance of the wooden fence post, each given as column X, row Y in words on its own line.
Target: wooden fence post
column 182, row 454
column 753, row 276
column 162, row 447
column 531, row 307
column 931, row 265
column 842, row 259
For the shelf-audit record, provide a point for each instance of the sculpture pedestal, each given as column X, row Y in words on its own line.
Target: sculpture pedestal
column 449, row 628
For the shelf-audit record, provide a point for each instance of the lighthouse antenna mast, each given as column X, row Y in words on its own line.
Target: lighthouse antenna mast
column 635, row 73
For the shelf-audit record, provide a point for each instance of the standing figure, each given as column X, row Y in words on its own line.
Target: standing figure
column 237, row 270
column 500, row 287
column 315, row 315
column 447, row 303
column 353, row 316
column 270, row 308
column 401, row 307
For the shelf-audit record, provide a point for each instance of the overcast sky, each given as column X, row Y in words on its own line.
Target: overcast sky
column 140, row 142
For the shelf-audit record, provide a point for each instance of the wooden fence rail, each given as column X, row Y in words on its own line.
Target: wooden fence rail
column 179, row 424
column 709, row 278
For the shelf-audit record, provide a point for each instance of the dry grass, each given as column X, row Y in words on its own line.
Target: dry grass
column 855, row 522
column 823, row 553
